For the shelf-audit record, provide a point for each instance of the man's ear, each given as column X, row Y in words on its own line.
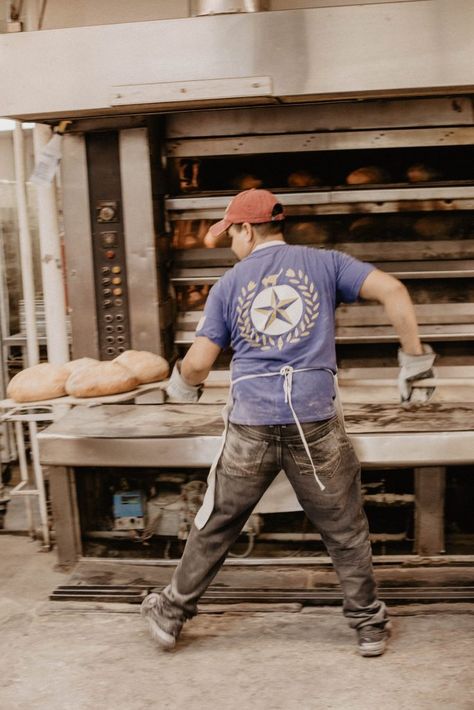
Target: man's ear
column 248, row 231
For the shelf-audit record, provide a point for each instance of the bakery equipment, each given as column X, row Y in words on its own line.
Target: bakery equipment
column 153, row 155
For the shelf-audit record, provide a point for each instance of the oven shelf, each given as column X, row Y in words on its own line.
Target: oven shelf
column 386, row 199
column 449, row 269
column 377, row 334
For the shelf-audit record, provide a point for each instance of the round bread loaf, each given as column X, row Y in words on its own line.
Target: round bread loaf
column 303, row 178
column 436, row 226
column 364, row 227
column 195, row 300
column 368, row 175
column 308, row 233
column 145, row 366
column 246, row 182
column 422, row 173
column 101, row 380
column 75, row 365
column 44, row 381
column 189, row 241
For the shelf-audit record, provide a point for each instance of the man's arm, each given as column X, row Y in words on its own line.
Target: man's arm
column 415, row 359
column 198, row 361
column 393, row 294
column 189, row 373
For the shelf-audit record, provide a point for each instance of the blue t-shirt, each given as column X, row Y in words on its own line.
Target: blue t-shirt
column 277, row 307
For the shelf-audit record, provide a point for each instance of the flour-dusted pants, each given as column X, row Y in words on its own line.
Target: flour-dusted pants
column 251, row 459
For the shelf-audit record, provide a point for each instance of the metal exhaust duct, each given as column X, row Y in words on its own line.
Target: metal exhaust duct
column 227, row 7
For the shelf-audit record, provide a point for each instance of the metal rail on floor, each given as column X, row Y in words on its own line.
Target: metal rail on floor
column 321, row 596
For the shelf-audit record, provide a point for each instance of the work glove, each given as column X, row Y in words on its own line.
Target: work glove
column 414, row 368
column 177, row 390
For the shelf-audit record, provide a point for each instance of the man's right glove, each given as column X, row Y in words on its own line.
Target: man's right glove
column 413, row 368
column 178, row 390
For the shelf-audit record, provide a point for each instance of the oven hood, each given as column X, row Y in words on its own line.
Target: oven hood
column 360, row 51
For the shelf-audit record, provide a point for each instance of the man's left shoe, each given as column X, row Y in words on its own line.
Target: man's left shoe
column 372, row 639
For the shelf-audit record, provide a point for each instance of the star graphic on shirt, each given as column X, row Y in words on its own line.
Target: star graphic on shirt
column 276, row 309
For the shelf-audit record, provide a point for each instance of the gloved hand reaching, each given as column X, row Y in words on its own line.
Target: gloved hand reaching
column 178, row 390
column 414, row 368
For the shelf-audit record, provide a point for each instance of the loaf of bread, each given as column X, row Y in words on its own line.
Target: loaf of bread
column 101, row 380
column 419, row 172
column 145, row 366
column 364, row 227
column 308, row 233
column 79, row 364
column 194, row 299
column 44, row 381
column 303, row 178
column 436, row 226
column 183, row 236
column 369, row 175
column 246, row 182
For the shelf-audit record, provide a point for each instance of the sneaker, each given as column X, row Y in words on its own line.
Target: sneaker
column 372, row 639
column 163, row 630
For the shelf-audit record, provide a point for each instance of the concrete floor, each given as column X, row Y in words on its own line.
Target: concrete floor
column 60, row 658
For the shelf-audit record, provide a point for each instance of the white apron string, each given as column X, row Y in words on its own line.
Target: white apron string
column 204, row 512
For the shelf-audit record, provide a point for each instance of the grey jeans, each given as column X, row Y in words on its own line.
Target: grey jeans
column 251, row 459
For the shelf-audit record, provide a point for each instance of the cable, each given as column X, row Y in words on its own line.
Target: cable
column 249, row 548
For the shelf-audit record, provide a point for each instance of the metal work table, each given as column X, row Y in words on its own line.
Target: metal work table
column 169, row 435
column 188, row 435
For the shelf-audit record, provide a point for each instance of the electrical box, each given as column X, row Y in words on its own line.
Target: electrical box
column 129, row 510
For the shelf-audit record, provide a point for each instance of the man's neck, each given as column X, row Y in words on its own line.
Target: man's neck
column 262, row 243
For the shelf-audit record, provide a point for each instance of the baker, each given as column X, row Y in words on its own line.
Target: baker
column 276, row 308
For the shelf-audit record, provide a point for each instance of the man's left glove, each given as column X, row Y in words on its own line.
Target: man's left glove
column 177, row 390
column 413, row 368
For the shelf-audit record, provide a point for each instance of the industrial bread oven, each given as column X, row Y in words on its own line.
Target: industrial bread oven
column 388, row 181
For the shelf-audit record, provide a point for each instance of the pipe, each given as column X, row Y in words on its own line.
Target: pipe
column 25, row 247
column 51, row 267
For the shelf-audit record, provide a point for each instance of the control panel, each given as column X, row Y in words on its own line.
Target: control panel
column 110, row 274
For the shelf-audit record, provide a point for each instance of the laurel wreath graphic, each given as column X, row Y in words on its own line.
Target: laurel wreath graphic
column 307, row 321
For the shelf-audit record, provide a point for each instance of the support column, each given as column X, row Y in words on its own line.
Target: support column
column 65, row 515
column 430, row 484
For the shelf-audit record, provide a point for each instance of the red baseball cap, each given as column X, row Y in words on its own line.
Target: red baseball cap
column 253, row 206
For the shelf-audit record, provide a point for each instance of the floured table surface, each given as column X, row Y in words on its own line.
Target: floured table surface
column 197, row 420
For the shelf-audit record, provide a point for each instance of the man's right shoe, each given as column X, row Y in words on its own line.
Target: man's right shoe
column 372, row 639
column 163, row 630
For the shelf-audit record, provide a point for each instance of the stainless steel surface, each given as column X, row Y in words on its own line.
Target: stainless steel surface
column 78, row 248
column 216, row 204
column 306, row 142
column 189, row 435
column 193, row 453
column 377, row 334
column 343, row 207
column 140, row 250
column 216, row 7
column 390, row 450
column 353, row 116
column 409, row 48
column 197, row 276
column 175, row 92
column 462, row 268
